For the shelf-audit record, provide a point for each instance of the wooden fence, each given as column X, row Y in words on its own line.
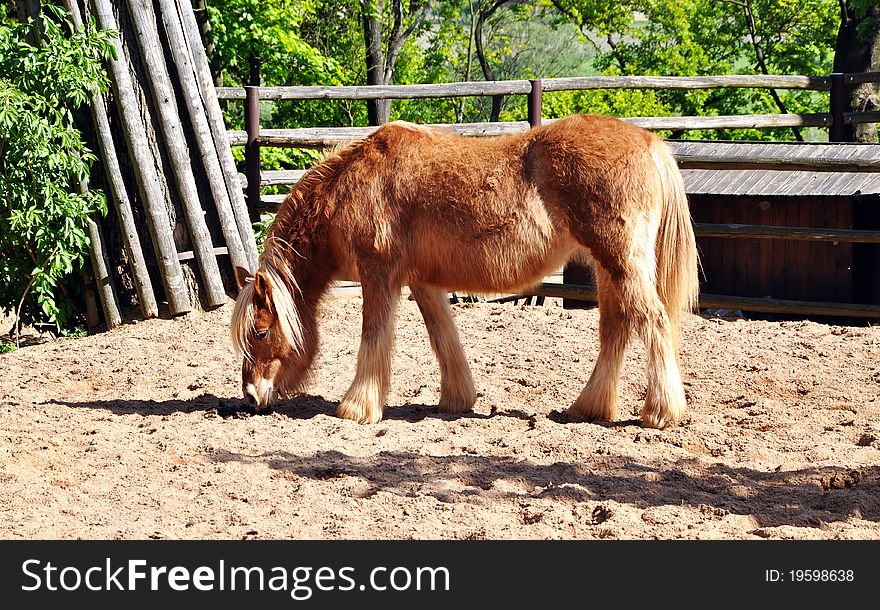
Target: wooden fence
column 712, row 156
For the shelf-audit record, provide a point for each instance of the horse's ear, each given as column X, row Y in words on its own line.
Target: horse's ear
column 262, row 287
column 242, row 276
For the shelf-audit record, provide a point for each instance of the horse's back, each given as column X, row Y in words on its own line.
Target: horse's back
column 464, row 212
column 488, row 214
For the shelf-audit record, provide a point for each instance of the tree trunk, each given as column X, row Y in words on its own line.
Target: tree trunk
column 470, row 55
column 485, row 13
column 856, row 53
column 30, row 9
column 200, row 8
column 378, row 111
column 381, row 55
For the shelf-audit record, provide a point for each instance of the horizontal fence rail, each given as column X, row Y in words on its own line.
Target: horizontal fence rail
column 859, row 78
column 322, row 137
column 522, row 87
column 777, row 156
column 690, row 155
column 325, row 137
column 378, row 92
column 856, row 118
column 719, row 301
column 707, row 155
column 706, row 229
column 747, row 81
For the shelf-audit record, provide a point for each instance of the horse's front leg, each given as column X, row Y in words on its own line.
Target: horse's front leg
column 457, row 393
column 365, row 399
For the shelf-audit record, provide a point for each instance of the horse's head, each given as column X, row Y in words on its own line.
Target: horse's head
column 267, row 332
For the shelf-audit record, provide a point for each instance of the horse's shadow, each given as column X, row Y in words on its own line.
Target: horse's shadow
column 807, row 497
column 802, row 498
column 562, row 417
column 304, row 406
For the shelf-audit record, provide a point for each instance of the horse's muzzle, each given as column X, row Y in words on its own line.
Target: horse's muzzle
column 260, row 396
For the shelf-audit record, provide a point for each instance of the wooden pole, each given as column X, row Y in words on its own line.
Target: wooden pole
column 252, row 150
column 159, row 82
column 766, row 305
column 180, row 53
column 100, row 274
column 144, row 168
column 118, row 193
column 534, row 102
column 839, row 105
column 218, row 129
column 102, row 277
column 122, row 206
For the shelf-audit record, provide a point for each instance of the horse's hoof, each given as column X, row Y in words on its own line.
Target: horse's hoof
column 357, row 413
column 661, row 419
column 456, row 405
column 585, row 409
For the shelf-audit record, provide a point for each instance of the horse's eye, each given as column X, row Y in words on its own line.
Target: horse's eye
column 261, row 334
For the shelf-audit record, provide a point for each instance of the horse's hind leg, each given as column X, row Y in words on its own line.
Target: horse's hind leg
column 457, row 393
column 665, row 400
column 598, row 400
column 365, row 399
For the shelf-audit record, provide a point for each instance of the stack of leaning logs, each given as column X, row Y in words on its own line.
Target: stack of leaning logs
column 170, row 175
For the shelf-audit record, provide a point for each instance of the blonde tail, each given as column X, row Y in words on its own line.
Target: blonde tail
column 676, row 252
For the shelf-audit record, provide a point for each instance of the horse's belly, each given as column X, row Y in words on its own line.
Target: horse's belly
column 498, row 261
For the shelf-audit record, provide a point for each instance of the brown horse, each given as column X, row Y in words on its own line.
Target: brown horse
column 415, row 206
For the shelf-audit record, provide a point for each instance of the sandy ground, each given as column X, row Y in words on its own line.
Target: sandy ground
column 141, row 433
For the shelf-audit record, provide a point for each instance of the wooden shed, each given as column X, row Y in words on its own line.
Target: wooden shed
column 805, row 269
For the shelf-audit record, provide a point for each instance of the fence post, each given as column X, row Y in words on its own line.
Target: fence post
column 534, row 103
column 252, row 150
column 839, row 104
column 534, row 116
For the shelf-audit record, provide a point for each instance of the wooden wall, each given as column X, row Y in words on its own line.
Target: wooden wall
column 782, row 269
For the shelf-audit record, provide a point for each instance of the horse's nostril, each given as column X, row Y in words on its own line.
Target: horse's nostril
column 251, row 400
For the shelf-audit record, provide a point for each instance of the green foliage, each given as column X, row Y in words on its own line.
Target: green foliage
column 261, row 230
column 77, row 332
column 296, row 43
column 6, row 346
column 869, row 23
column 322, row 42
column 706, row 37
column 43, row 224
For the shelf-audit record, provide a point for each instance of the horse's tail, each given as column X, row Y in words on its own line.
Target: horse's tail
column 676, row 251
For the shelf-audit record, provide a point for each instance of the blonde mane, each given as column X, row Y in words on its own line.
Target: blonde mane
column 275, row 263
column 277, row 271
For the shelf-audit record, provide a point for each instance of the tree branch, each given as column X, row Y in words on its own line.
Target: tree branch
column 399, row 34
column 21, row 301
column 845, row 17
column 751, row 24
column 485, row 13
column 584, row 26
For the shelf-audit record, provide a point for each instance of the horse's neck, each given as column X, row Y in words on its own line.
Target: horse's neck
column 313, row 276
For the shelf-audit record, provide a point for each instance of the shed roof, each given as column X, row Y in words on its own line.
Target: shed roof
column 766, row 182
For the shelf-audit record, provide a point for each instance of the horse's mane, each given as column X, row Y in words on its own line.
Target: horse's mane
column 276, row 260
column 281, row 279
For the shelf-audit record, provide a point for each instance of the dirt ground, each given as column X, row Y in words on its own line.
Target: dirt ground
column 141, row 433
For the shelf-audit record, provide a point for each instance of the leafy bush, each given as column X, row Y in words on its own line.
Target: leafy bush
column 43, row 219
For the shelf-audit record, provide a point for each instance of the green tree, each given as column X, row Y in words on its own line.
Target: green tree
column 858, row 50
column 42, row 219
column 705, row 37
column 383, row 45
